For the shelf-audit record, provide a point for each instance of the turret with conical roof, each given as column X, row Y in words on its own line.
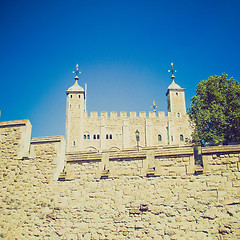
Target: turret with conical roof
column 175, row 96
column 76, row 106
column 75, row 88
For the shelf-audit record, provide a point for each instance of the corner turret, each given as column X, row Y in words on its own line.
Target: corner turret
column 76, row 106
column 175, row 97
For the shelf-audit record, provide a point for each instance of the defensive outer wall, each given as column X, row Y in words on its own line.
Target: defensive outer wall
column 154, row 193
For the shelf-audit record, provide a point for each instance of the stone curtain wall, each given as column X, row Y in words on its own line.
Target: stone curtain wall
column 49, row 154
column 174, row 205
column 150, row 194
column 15, row 139
column 27, row 188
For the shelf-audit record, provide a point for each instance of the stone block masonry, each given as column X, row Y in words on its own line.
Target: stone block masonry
column 110, row 131
column 28, row 174
column 154, row 193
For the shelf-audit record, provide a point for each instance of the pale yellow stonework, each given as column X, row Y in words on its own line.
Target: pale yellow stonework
column 155, row 192
column 91, row 132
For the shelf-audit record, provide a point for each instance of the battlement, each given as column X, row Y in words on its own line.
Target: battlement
column 16, row 144
column 164, row 161
column 125, row 115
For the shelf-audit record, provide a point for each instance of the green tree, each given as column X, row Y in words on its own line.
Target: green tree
column 215, row 110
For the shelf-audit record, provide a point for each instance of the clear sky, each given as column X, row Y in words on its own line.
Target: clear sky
column 124, row 50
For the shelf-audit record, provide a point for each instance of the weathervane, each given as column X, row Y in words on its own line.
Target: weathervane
column 172, row 71
column 154, row 106
column 76, row 72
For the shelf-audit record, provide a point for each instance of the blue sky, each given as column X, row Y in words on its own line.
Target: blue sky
column 124, row 50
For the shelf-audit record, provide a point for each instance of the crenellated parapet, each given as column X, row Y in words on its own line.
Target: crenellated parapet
column 15, row 138
column 150, row 114
column 125, row 115
column 46, row 154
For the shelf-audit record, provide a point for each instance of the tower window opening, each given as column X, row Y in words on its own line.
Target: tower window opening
column 181, row 138
column 178, row 115
column 106, row 136
column 159, row 138
column 110, row 136
column 84, row 136
column 70, row 96
column 79, row 96
column 94, row 136
column 74, row 143
column 176, row 94
column 98, row 137
column 88, row 136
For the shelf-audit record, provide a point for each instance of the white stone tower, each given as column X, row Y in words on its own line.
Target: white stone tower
column 175, row 97
column 76, row 106
column 177, row 118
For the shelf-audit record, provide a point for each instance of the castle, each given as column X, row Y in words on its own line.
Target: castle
column 168, row 190
column 101, row 133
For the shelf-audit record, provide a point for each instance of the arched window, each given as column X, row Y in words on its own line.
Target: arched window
column 106, row 136
column 88, row 136
column 176, row 94
column 110, row 136
column 181, row 138
column 84, row 136
column 178, row 115
column 70, row 96
column 98, row 137
column 159, row 138
column 94, row 136
column 74, row 143
column 78, row 96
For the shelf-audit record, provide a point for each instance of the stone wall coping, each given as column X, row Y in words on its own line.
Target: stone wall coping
column 47, row 139
column 14, row 123
column 163, row 152
column 129, row 155
column 221, row 149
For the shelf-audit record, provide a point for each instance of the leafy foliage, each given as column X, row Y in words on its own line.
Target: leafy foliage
column 215, row 110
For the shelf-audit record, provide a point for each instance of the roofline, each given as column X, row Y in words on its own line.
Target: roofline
column 175, row 89
column 74, row 91
column 14, row 123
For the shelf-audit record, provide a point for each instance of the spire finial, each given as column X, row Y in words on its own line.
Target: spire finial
column 154, row 106
column 172, row 71
column 77, row 72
